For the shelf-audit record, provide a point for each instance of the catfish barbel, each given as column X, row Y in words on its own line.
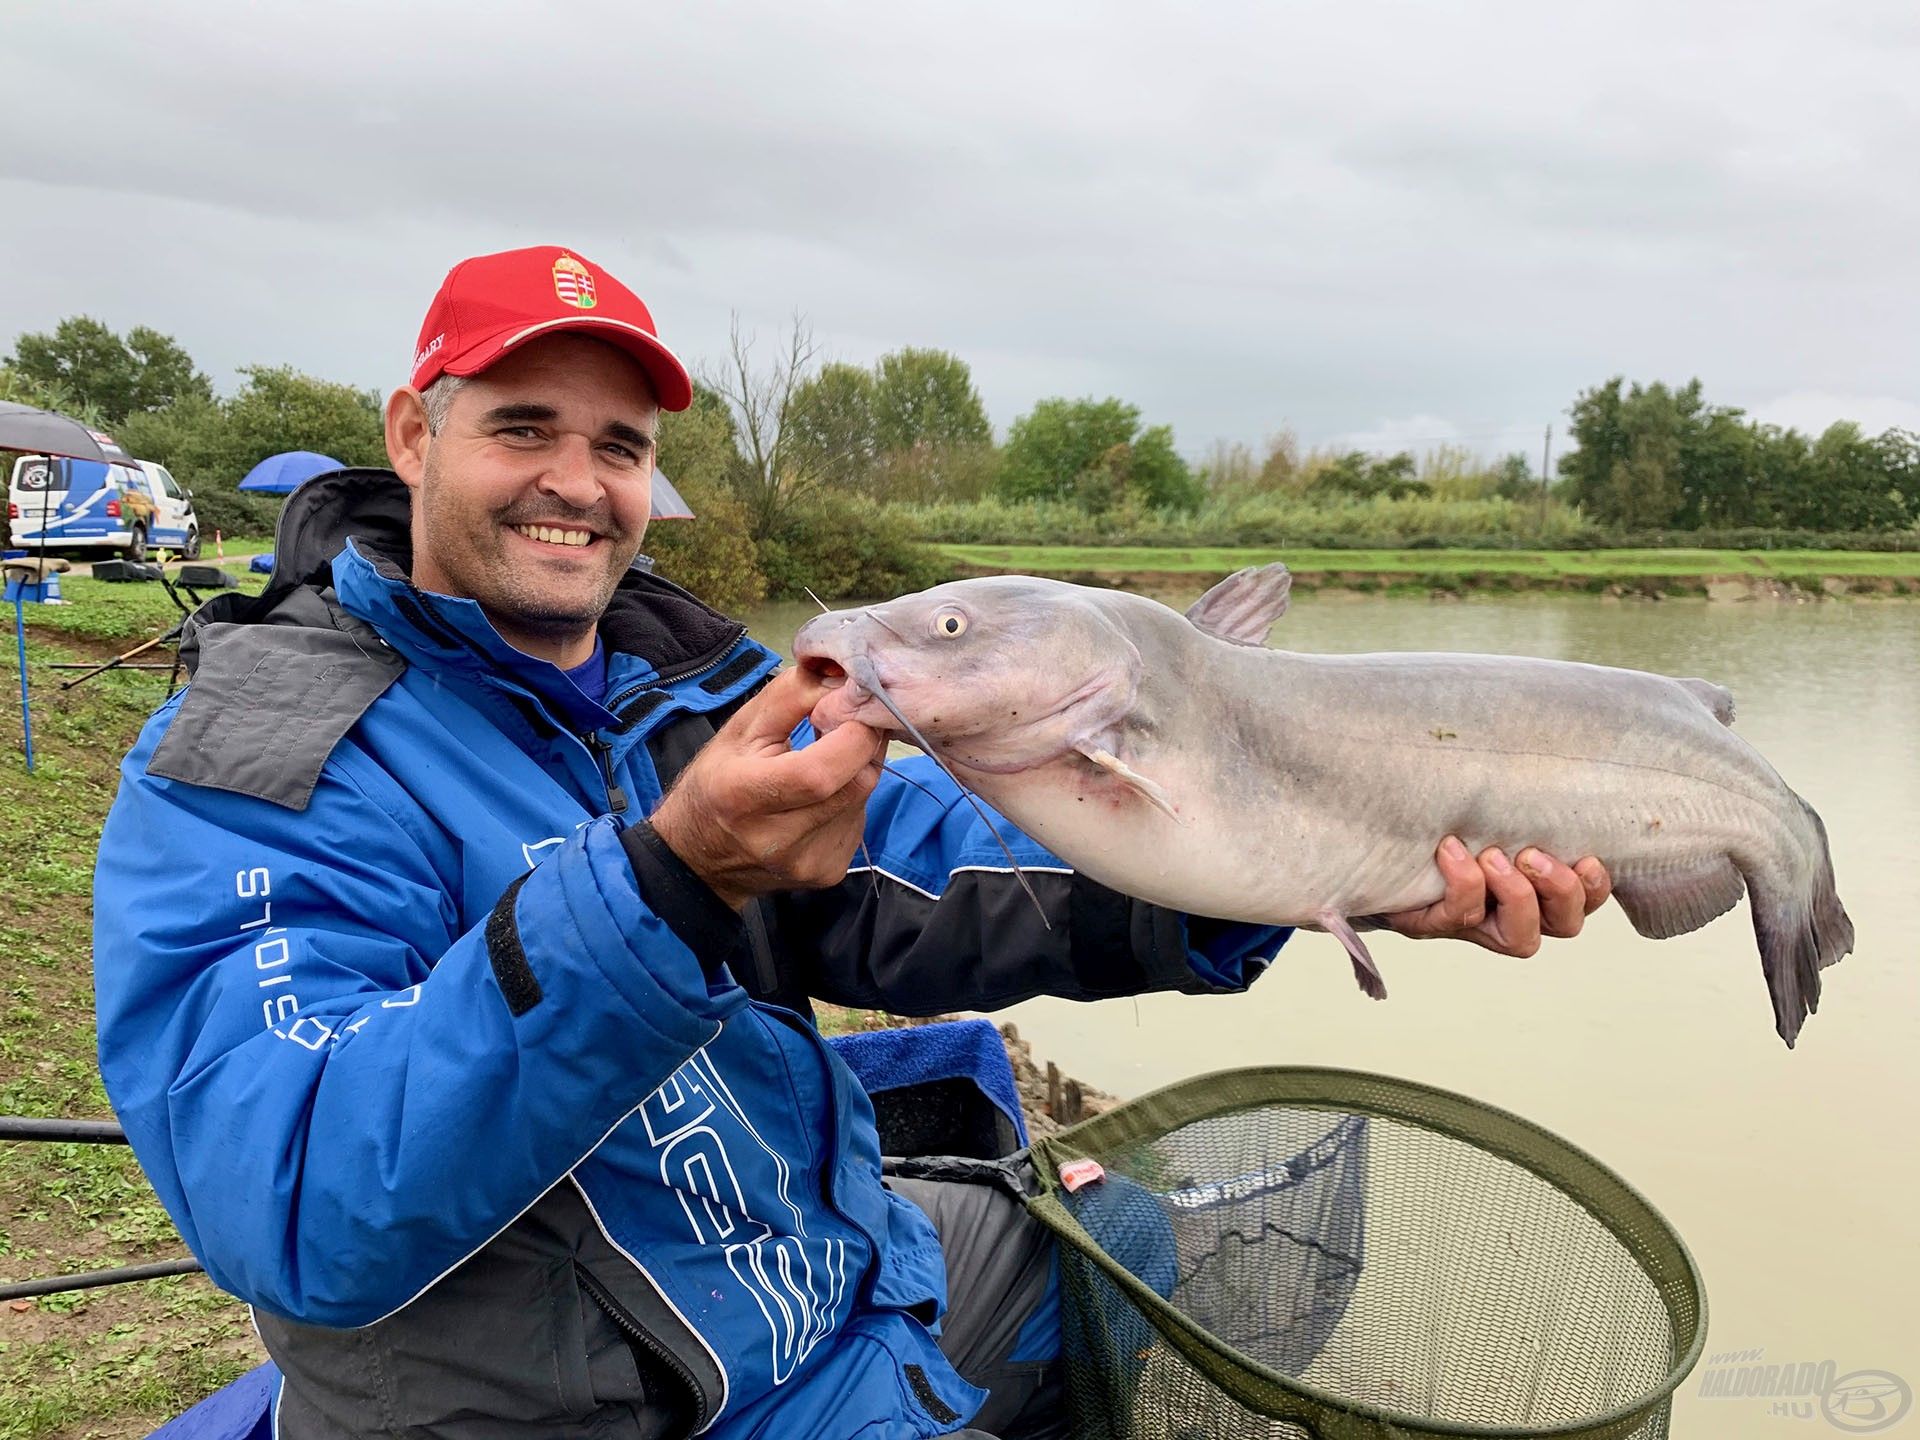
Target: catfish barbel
column 1178, row 759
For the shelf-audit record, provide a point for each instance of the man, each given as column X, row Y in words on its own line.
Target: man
column 437, row 920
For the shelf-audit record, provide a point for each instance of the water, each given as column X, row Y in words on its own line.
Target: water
column 1793, row 1176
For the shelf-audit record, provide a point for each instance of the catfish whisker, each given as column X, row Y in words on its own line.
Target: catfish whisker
column 864, row 673
column 902, row 775
column 815, row 598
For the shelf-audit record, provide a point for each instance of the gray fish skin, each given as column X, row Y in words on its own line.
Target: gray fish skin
column 1197, row 769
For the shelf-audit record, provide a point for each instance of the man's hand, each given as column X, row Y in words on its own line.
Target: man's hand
column 1504, row 905
column 750, row 815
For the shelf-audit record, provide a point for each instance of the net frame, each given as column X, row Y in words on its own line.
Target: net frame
column 1616, row 1205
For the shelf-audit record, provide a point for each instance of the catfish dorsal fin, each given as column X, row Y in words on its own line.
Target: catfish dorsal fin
column 1243, row 607
column 1716, row 698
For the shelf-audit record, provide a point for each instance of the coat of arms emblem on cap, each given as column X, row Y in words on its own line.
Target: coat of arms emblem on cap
column 573, row 283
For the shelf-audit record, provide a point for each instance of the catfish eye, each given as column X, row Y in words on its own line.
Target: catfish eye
column 950, row 623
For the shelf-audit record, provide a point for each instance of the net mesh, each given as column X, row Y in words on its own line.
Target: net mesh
column 1323, row 1255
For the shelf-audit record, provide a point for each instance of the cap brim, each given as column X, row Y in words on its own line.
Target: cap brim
column 672, row 386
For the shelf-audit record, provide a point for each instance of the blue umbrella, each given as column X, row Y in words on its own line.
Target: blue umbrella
column 279, row 474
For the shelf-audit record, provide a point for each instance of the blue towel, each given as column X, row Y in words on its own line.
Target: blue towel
column 241, row 1411
column 953, row 1050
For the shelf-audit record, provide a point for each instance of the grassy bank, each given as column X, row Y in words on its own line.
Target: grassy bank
column 111, row 1362
column 1653, row 571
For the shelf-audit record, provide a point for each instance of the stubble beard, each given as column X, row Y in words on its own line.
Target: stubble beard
column 480, row 568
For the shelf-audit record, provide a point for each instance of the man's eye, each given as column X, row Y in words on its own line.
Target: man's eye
column 520, row 432
column 625, row 454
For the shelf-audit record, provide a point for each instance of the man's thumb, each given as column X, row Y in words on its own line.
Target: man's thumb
column 787, row 700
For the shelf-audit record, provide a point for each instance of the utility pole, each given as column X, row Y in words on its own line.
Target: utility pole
column 1546, row 470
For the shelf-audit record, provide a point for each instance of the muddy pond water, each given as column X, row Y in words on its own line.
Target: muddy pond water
column 1793, row 1176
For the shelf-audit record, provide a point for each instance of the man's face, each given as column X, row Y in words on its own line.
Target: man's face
column 534, row 495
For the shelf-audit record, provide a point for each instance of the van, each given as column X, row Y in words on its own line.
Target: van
column 89, row 505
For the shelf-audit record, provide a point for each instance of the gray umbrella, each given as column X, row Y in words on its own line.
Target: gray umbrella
column 47, row 432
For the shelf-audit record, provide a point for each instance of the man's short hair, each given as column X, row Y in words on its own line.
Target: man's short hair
column 438, row 398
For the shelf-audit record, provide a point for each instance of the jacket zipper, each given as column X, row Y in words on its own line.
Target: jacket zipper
column 602, row 753
column 638, row 1333
column 719, row 658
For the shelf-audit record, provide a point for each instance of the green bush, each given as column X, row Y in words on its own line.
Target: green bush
column 712, row 554
column 847, row 548
column 1417, row 522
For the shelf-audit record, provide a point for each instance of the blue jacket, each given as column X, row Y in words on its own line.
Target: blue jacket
column 388, row 960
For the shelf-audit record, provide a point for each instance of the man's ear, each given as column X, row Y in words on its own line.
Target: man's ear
column 407, row 435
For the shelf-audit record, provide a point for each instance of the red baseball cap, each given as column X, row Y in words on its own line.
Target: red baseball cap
column 491, row 303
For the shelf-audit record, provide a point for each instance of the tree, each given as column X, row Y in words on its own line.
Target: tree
column 832, row 422
column 279, row 409
column 1514, row 478
column 775, row 472
column 696, row 444
column 1631, row 465
column 926, row 399
column 1850, row 484
column 1093, row 451
column 92, row 368
column 211, row 445
column 1899, row 452
column 1360, row 476
column 165, row 371
column 1160, row 478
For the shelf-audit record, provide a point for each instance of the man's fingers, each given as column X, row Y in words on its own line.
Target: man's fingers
column 820, row 771
column 1465, row 903
column 769, row 717
column 1460, row 908
column 1561, row 895
column 1514, row 926
column 1595, row 881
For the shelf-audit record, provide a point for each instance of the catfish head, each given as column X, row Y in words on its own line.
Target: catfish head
column 998, row 674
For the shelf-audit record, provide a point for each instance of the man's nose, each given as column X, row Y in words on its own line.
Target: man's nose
column 570, row 475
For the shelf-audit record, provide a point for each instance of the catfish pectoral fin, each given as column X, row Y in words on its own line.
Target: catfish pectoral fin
column 1150, row 789
column 1364, row 970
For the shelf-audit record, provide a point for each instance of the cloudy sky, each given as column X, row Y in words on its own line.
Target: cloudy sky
column 1374, row 223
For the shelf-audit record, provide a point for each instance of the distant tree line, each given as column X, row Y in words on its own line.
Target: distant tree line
column 145, row 390
column 820, row 473
column 1652, row 457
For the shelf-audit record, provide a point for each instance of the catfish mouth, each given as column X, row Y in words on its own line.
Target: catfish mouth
column 851, row 698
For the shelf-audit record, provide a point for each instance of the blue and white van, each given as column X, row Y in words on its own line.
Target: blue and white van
column 89, row 505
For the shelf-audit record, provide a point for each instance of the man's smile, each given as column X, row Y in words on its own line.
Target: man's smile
column 562, row 536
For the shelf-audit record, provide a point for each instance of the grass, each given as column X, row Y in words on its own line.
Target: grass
column 119, row 1361
column 97, row 610
column 1557, row 568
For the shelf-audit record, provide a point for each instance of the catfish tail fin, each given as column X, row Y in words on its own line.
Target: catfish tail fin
column 1800, row 933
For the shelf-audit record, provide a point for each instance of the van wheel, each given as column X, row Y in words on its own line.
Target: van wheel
column 192, row 551
column 136, row 547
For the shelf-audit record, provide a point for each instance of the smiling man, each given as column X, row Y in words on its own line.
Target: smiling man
column 454, row 934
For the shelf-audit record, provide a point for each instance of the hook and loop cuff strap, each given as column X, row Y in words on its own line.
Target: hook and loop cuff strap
column 705, row 923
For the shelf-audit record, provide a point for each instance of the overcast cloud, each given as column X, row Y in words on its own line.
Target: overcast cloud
column 1383, row 224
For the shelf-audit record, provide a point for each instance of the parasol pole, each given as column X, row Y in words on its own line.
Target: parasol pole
column 20, row 636
column 46, row 493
